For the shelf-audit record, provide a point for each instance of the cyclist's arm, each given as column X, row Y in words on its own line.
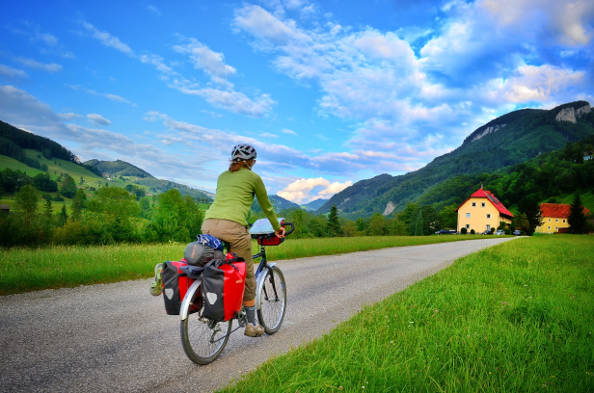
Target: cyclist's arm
column 265, row 203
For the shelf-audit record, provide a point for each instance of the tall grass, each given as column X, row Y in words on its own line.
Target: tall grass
column 518, row 317
column 25, row 269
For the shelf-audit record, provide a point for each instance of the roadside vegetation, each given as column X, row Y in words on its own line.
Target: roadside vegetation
column 517, row 317
column 27, row 269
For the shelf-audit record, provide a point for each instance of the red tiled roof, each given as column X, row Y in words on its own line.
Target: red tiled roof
column 557, row 210
column 481, row 193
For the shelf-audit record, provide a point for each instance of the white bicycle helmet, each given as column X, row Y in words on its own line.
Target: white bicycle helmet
column 243, row 152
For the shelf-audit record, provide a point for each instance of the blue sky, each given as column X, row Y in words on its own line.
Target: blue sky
column 329, row 92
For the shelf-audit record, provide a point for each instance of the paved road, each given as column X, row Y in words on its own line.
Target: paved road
column 117, row 338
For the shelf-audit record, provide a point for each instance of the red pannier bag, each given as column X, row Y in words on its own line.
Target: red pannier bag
column 223, row 283
column 175, row 285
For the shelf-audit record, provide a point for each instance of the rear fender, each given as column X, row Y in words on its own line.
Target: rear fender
column 260, row 283
column 189, row 295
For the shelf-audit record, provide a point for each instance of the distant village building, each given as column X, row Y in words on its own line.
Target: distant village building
column 482, row 211
column 555, row 217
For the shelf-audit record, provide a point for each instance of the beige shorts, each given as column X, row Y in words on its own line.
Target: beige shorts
column 240, row 241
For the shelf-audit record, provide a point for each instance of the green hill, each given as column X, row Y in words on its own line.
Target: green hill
column 508, row 140
column 117, row 168
column 24, row 151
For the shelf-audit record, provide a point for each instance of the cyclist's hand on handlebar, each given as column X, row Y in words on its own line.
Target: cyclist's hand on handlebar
column 280, row 233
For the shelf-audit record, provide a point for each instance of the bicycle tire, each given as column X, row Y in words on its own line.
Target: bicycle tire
column 203, row 340
column 273, row 300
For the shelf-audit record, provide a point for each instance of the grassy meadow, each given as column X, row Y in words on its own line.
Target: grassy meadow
column 26, row 269
column 518, row 317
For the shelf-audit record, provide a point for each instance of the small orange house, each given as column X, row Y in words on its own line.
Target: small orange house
column 482, row 212
column 555, row 217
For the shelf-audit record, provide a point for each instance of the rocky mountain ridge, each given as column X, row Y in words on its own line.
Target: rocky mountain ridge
column 507, row 140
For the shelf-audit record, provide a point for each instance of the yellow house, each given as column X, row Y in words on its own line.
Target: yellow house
column 482, row 212
column 555, row 217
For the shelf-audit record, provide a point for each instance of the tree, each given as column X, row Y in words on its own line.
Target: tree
column 349, row 228
column 26, row 200
column 67, row 186
column 42, row 182
column 449, row 216
column 63, row 216
column 531, row 208
column 418, row 225
column 79, row 202
column 377, row 225
column 577, row 218
column 333, row 224
column 111, row 210
column 397, row 227
column 168, row 219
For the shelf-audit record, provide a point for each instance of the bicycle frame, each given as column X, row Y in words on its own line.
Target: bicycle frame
column 262, row 267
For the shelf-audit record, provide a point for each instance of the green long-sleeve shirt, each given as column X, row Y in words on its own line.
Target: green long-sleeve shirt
column 235, row 195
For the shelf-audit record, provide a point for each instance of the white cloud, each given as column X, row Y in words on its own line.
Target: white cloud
column 529, row 83
column 153, row 9
column 46, row 38
column 230, row 100
column 262, row 24
column 52, row 67
column 109, row 96
column 305, row 190
column 98, row 119
column 69, row 115
column 288, row 131
column 569, row 22
column 19, row 108
column 10, row 72
column 204, row 58
column 107, row 39
column 24, row 111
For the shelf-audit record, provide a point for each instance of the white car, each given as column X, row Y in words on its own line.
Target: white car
column 500, row 232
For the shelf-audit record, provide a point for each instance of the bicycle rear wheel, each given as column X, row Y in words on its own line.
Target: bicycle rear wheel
column 273, row 300
column 203, row 339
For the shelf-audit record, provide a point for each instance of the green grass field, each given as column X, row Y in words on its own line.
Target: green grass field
column 518, row 317
column 26, row 269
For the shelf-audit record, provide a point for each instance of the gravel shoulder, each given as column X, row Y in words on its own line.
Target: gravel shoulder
column 117, row 338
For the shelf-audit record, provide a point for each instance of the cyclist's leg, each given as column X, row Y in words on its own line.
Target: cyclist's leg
column 240, row 241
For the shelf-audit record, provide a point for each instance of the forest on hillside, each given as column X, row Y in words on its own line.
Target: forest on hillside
column 114, row 214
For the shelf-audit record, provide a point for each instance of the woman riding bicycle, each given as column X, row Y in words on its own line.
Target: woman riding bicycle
column 226, row 219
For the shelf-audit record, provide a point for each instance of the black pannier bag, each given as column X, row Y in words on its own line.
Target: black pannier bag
column 199, row 254
column 223, row 284
column 175, row 285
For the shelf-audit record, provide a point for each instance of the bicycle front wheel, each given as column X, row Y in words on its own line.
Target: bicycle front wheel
column 273, row 300
column 203, row 339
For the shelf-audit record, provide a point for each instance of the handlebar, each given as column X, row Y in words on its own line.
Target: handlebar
column 290, row 224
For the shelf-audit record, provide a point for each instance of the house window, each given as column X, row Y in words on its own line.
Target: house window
column 473, row 204
column 556, row 220
column 467, row 215
column 549, row 227
column 482, row 204
column 549, row 220
column 467, row 226
column 563, row 221
column 488, row 216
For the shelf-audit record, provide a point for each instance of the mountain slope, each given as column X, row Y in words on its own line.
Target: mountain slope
column 314, row 205
column 45, row 155
column 117, row 168
column 508, row 140
column 126, row 171
column 279, row 203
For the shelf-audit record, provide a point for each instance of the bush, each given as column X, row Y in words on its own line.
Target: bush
column 463, row 231
column 472, row 232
